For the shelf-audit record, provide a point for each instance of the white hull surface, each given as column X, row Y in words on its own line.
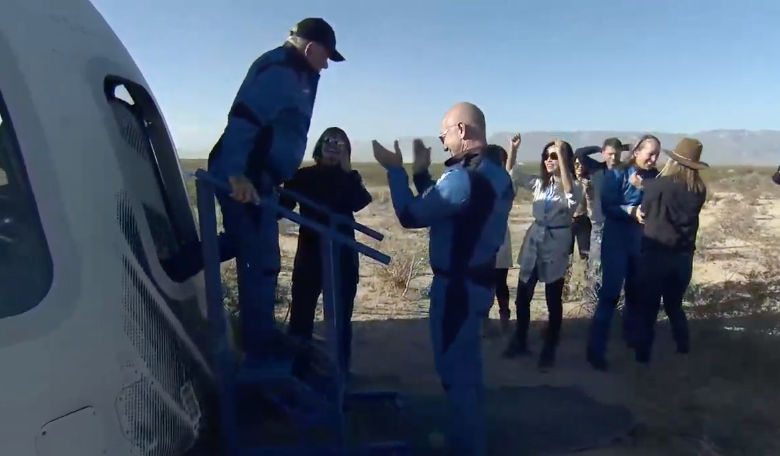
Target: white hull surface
column 101, row 353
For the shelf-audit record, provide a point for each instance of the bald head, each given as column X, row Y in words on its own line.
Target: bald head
column 467, row 113
column 463, row 128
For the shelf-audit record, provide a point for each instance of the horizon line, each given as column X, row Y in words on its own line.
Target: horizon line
column 404, row 137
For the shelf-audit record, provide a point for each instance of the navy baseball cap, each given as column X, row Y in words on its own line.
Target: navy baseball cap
column 315, row 29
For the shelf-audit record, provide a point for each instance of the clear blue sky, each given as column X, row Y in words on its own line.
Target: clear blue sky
column 663, row 65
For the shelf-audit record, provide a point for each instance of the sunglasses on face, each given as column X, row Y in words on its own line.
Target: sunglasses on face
column 550, row 156
column 334, row 142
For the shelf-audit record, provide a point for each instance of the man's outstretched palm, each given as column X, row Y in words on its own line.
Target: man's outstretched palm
column 387, row 158
column 422, row 156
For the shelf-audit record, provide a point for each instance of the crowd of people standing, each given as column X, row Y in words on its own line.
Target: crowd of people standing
column 642, row 225
column 624, row 217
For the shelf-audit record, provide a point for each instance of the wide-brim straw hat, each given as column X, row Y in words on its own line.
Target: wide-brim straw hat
column 687, row 152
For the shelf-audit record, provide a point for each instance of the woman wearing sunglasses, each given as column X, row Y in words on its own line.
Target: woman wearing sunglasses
column 331, row 183
column 544, row 255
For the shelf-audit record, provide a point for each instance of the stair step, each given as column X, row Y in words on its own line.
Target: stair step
column 294, row 397
column 271, row 371
column 353, row 398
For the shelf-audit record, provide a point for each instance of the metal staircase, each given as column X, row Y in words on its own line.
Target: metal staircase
column 305, row 404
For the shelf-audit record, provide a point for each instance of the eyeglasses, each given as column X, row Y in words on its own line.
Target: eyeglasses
column 444, row 134
column 334, row 142
column 551, row 156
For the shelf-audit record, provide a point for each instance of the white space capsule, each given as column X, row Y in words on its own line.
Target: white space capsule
column 101, row 353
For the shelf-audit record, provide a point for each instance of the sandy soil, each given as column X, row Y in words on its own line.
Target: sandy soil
column 407, row 359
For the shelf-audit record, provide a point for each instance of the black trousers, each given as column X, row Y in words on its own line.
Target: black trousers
column 307, row 287
column 553, row 293
column 580, row 230
column 662, row 276
column 502, row 290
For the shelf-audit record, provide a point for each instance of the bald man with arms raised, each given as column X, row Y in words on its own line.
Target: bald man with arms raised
column 466, row 210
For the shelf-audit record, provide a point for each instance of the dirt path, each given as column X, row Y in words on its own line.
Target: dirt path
column 391, row 345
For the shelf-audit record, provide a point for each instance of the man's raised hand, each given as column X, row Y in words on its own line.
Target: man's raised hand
column 422, row 156
column 387, row 158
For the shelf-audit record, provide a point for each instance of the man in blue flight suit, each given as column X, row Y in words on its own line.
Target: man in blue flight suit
column 621, row 198
column 467, row 210
column 262, row 146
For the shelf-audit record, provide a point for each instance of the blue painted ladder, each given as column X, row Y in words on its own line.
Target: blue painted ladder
column 315, row 407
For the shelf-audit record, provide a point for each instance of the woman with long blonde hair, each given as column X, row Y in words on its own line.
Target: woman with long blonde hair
column 670, row 207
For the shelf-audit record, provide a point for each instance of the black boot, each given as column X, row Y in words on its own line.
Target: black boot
column 642, row 355
column 551, row 338
column 516, row 348
column 597, row 362
column 547, row 357
column 504, row 315
column 518, row 344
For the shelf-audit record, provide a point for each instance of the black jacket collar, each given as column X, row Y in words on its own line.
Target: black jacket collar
column 471, row 159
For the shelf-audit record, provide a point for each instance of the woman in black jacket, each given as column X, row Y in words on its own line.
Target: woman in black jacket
column 670, row 212
column 330, row 182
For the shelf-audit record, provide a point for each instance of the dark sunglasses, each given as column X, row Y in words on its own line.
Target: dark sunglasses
column 552, row 156
column 334, row 142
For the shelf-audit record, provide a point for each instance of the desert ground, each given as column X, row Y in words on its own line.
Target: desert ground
column 721, row 399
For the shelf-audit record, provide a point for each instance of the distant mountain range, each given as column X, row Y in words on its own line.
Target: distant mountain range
column 721, row 147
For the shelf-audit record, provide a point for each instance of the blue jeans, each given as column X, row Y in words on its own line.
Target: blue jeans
column 620, row 256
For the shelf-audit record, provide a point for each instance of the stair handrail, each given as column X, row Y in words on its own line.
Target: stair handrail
column 339, row 238
column 334, row 217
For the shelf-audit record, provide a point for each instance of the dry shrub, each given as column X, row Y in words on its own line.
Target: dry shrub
column 380, row 196
column 576, row 288
column 229, row 281
column 406, row 265
column 749, row 184
column 738, row 219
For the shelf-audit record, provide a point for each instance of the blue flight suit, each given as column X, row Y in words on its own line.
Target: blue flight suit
column 620, row 253
column 264, row 140
column 467, row 210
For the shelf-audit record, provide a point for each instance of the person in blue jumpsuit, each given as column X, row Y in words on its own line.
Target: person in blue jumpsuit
column 621, row 197
column 332, row 183
column 467, row 210
column 262, row 146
